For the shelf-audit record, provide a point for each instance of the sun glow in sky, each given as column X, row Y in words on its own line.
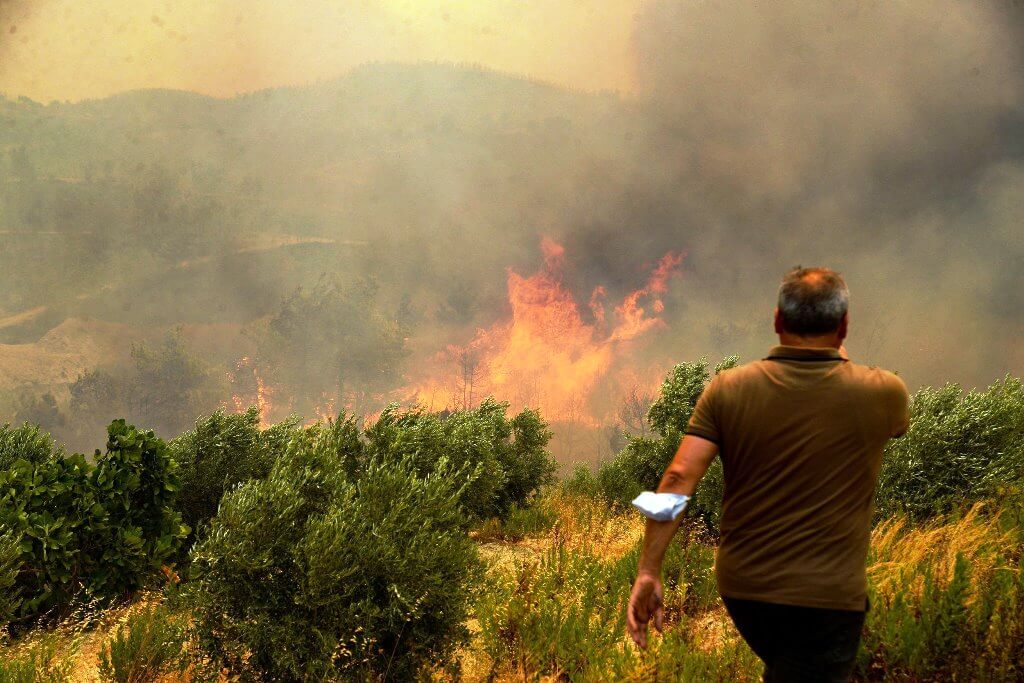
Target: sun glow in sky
column 72, row 50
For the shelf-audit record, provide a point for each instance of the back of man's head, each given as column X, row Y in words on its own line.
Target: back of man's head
column 812, row 301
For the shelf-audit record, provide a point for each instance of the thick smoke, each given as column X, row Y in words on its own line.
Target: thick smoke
column 884, row 139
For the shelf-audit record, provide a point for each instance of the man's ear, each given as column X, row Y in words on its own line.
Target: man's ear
column 844, row 325
column 779, row 327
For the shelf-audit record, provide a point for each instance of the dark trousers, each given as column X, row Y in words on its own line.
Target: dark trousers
column 799, row 643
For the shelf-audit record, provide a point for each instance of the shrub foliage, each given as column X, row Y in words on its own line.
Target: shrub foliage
column 222, row 451
column 961, row 447
column 73, row 530
column 152, row 642
column 317, row 573
column 508, row 457
column 27, row 442
column 640, row 465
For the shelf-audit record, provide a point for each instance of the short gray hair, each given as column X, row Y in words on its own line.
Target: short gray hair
column 812, row 301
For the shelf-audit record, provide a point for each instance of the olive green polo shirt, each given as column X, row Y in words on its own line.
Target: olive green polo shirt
column 801, row 435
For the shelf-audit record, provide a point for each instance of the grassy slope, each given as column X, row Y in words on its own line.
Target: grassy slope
column 551, row 607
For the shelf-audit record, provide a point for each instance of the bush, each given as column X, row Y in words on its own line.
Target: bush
column 338, row 441
column 637, row 467
column 150, row 643
column 707, row 502
column 88, row 531
column 10, row 566
column 527, row 464
column 222, row 451
column 671, row 410
column 960, row 448
column 509, row 457
column 465, row 438
column 581, row 482
column 312, row 573
column 27, row 442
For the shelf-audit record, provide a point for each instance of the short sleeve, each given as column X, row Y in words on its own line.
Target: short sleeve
column 704, row 420
column 900, row 407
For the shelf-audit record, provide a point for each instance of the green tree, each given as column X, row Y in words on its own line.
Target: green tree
column 220, row 452
column 671, row 411
column 85, row 531
column 508, row 458
column 27, row 442
column 961, row 447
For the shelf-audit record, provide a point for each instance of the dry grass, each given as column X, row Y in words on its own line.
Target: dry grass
column 899, row 556
column 713, row 630
column 75, row 646
column 57, row 652
column 582, row 524
column 588, row 524
column 899, row 551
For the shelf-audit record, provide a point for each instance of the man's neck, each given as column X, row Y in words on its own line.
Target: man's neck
column 822, row 342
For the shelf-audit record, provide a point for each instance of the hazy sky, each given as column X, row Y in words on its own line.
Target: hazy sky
column 70, row 50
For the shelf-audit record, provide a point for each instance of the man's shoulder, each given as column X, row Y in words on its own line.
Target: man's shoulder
column 867, row 376
column 740, row 372
column 874, row 377
column 735, row 378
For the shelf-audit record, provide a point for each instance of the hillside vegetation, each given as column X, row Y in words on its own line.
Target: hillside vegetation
column 146, row 201
column 438, row 547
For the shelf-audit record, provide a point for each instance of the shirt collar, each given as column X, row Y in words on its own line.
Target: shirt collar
column 804, row 353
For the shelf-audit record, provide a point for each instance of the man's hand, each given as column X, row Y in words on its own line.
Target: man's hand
column 645, row 602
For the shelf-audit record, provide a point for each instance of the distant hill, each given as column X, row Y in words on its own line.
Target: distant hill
column 442, row 172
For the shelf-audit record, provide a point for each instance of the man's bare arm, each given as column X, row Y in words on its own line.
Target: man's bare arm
column 682, row 476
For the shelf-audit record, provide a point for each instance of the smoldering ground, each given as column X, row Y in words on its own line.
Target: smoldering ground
column 883, row 139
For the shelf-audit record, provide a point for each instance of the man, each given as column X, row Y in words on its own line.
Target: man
column 801, row 435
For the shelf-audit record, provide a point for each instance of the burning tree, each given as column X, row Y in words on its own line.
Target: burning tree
column 632, row 416
column 470, row 375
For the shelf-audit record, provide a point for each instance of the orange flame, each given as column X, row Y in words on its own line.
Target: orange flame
column 253, row 390
column 546, row 355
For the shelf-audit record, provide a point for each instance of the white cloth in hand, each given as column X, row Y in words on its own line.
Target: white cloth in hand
column 661, row 507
